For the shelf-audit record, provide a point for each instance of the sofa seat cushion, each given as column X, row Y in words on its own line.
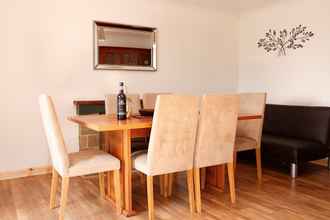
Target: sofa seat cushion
column 290, row 149
column 292, row 143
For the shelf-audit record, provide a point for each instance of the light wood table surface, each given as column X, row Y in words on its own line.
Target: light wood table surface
column 118, row 143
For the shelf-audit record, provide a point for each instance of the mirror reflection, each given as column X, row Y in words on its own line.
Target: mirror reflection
column 124, row 47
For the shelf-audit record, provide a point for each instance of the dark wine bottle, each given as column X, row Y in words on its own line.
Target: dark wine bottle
column 121, row 103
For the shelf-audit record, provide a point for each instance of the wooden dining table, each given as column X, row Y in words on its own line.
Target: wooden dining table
column 118, row 134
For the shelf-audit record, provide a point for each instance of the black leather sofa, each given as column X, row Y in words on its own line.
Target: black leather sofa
column 293, row 135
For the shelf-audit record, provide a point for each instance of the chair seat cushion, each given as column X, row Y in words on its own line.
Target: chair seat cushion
column 139, row 161
column 138, row 152
column 291, row 149
column 244, row 143
column 91, row 161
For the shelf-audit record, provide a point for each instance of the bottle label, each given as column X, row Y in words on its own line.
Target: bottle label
column 121, row 113
column 121, row 107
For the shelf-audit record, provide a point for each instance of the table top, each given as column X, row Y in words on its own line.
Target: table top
column 111, row 123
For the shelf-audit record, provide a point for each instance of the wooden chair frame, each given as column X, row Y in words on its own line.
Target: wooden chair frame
column 65, row 188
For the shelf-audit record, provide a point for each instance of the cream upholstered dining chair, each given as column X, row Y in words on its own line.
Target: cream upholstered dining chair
column 172, row 143
column 149, row 99
column 133, row 103
column 139, row 142
column 74, row 164
column 166, row 181
column 216, row 139
column 249, row 131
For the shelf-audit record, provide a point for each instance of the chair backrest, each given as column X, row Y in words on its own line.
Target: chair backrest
column 133, row 103
column 56, row 144
column 149, row 99
column 173, row 134
column 252, row 103
column 216, row 130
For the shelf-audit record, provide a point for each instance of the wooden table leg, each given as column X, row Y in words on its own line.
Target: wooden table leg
column 128, row 209
column 119, row 145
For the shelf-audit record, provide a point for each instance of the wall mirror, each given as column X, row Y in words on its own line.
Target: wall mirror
column 124, row 47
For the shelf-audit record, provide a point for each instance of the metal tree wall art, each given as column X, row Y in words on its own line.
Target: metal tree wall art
column 284, row 40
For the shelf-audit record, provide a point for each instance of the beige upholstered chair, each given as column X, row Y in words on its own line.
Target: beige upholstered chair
column 216, row 138
column 134, row 105
column 172, row 143
column 149, row 99
column 166, row 181
column 133, row 100
column 74, row 164
column 139, row 143
column 249, row 131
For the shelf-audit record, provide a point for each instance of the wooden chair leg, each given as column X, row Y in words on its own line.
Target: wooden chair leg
column 198, row 196
column 110, row 185
column 203, row 178
column 234, row 159
column 150, row 191
column 190, row 183
column 170, row 183
column 53, row 189
column 64, row 196
column 231, row 179
column 258, row 161
column 166, row 185
column 101, row 185
column 117, row 187
column 161, row 185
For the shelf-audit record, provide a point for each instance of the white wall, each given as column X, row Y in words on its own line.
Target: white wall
column 303, row 76
column 46, row 46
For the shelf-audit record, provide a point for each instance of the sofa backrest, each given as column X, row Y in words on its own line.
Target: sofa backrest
column 305, row 122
